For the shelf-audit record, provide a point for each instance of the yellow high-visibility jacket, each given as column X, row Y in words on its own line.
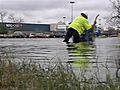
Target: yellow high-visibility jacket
column 80, row 24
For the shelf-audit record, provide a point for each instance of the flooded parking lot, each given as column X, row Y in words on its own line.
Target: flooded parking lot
column 99, row 57
column 34, row 48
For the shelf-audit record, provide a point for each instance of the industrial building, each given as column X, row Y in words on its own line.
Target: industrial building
column 56, row 29
column 28, row 27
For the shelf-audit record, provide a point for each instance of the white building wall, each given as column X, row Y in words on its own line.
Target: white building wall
column 60, row 26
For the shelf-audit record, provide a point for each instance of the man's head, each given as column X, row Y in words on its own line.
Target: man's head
column 84, row 14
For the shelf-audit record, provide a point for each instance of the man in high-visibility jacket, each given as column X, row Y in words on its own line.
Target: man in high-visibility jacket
column 78, row 28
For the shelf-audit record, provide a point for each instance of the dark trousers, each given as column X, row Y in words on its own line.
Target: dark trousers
column 72, row 32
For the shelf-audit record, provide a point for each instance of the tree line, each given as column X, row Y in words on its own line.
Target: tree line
column 4, row 15
column 114, row 18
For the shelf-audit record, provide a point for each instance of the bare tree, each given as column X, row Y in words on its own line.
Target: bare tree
column 3, row 29
column 14, row 19
column 115, row 15
column 2, row 16
column 17, row 22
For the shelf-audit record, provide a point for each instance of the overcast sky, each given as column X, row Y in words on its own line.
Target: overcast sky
column 52, row 11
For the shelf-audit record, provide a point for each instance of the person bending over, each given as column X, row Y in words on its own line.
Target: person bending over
column 80, row 28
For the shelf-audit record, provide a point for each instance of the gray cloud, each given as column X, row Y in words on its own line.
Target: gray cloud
column 53, row 10
column 94, row 5
column 32, row 4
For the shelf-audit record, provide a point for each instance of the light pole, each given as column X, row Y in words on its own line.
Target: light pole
column 72, row 2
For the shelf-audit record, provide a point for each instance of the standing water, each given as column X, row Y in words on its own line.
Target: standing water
column 99, row 58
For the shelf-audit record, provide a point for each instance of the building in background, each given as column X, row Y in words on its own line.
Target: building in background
column 53, row 30
column 28, row 27
column 58, row 29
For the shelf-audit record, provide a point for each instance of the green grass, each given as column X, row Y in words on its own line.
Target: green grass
column 26, row 75
column 31, row 76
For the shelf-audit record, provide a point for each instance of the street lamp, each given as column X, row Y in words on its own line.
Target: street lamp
column 72, row 2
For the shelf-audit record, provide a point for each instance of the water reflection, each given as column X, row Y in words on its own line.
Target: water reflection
column 35, row 49
column 108, row 52
column 81, row 53
column 99, row 58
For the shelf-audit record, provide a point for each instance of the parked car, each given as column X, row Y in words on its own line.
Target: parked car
column 18, row 34
column 32, row 35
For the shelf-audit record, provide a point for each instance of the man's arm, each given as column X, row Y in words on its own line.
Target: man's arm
column 94, row 23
